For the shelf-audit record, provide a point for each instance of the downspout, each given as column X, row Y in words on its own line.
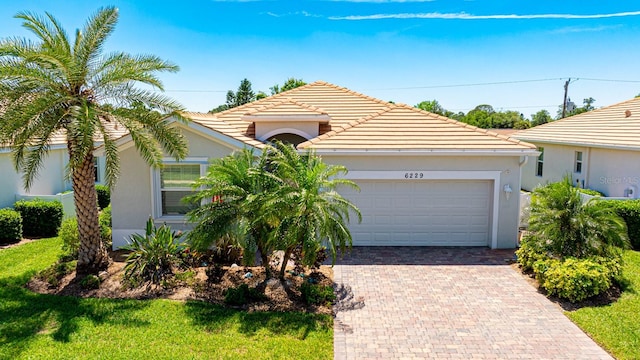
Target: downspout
column 521, row 164
column 588, row 170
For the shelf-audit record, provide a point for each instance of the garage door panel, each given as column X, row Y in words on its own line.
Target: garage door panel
column 422, row 212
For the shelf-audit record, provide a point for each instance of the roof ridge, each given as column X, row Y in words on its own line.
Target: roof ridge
column 464, row 125
column 345, row 127
column 280, row 102
column 347, row 90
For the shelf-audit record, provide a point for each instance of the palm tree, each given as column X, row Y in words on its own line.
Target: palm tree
column 234, row 195
column 314, row 215
column 54, row 86
column 567, row 227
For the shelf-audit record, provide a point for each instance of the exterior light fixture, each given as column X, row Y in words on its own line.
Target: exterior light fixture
column 507, row 191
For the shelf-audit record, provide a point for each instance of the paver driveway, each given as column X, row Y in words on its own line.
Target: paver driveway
column 449, row 303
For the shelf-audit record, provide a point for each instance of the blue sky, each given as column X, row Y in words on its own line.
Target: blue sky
column 401, row 50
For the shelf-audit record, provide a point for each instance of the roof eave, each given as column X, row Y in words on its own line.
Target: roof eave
column 427, row 152
column 319, row 118
column 582, row 144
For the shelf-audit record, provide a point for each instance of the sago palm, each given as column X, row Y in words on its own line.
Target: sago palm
column 313, row 214
column 568, row 227
column 54, row 85
column 233, row 196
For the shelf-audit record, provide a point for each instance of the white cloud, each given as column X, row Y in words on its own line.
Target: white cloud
column 579, row 29
column 465, row 16
column 301, row 13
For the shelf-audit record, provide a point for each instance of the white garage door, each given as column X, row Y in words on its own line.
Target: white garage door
column 422, row 213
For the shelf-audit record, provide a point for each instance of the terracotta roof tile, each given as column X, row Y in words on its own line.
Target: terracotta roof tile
column 614, row 126
column 358, row 122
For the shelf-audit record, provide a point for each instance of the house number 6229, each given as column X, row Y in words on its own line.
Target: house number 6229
column 413, row 175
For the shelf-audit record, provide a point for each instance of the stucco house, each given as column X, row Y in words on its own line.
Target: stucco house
column 599, row 150
column 425, row 180
column 51, row 181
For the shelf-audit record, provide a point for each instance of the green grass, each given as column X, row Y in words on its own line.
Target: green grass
column 617, row 326
column 35, row 326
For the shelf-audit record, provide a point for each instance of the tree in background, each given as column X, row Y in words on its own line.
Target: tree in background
column 290, row 83
column 541, row 117
column 432, row 106
column 245, row 93
column 56, row 84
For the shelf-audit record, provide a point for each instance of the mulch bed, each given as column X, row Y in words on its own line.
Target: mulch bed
column 281, row 295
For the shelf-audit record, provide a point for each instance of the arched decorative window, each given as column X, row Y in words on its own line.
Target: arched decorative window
column 288, row 138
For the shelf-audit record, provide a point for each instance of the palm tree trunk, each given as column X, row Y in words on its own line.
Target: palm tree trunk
column 285, row 260
column 92, row 256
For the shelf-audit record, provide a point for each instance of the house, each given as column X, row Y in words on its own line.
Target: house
column 599, row 150
column 425, row 180
column 51, row 182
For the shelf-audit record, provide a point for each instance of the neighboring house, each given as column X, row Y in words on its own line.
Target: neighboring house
column 599, row 150
column 51, row 179
column 425, row 180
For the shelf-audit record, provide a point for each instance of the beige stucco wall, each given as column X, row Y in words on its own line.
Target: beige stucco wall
column 509, row 168
column 50, row 180
column 265, row 130
column 612, row 171
column 132, row 198
column 606, row 170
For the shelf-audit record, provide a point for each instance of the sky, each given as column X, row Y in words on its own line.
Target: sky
column 513, row 55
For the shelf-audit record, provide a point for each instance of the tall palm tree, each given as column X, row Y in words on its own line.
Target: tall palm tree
column 315, row 214
column 52, row 85
column 568, row 227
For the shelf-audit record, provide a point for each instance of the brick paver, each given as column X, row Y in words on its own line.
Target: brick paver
column 449, row 303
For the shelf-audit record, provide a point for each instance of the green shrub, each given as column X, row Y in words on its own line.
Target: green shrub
column 573, row 279
column 10, row 226
column 40, row 218
column 242, row 295
column 529, row 252
column 104, row 196
column 69, row 235
column 591, row 192
column 90, row 282
column 153, row 256
column 315, row 294
column 105, row 226
column 629, row 210
column 54, row 273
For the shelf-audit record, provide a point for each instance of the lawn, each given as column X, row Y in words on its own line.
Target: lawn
column 616, row 327
column 35, row 326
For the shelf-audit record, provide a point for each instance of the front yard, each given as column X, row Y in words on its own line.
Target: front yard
column 616, row 327
column 36, row 326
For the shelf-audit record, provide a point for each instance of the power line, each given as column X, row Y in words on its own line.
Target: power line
column 439, row 86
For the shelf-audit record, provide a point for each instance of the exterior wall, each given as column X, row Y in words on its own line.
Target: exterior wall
column 307, row 130
column 613, row 171
column 559, row 161
column 509, row 168
column 132, row 198
column 50, row 181
column 606, row 170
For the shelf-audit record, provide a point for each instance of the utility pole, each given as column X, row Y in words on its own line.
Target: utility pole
column 564, row 103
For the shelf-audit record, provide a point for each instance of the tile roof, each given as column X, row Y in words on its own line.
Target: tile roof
column 359, row 122
column 404, row 127
column 616, row 126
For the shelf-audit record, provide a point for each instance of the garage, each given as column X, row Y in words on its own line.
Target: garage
column 422, row 212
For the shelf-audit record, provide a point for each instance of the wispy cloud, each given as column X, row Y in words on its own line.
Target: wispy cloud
column 580, row 29
column 298, row 13
column 382, row 1
column 466, row 16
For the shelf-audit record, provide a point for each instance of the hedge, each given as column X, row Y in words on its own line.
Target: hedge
column 10, row 226
column 629, row 210
column 40, row 218
column 104, row 196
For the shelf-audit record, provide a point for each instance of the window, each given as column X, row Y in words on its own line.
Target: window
column 540, row 162
column 577, row 168
column 96, row 172
column 175, row 184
